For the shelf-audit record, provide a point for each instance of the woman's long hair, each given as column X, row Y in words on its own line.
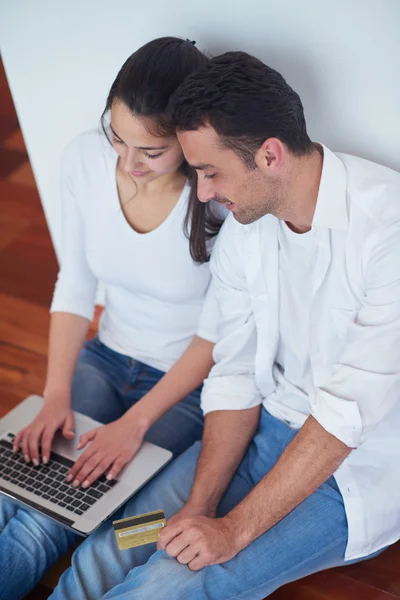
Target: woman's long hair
column 145, row 84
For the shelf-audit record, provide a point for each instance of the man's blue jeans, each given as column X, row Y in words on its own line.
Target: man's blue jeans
column 106, row 384
column 311, row 538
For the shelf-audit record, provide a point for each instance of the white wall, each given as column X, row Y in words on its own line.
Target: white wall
column 342, row 56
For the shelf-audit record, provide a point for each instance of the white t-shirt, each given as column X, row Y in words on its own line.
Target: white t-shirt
column 154, row 291
column 292, row 368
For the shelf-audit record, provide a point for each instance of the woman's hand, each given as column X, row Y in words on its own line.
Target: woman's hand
column 111, row 447
column 53, row 416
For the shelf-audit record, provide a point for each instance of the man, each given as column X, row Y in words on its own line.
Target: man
column 299, row 459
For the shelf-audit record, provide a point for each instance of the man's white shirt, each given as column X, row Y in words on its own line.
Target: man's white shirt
column 319, row 334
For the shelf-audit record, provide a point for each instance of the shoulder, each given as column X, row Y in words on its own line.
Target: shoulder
column 232, row 232
column 89, row 147
column 229, row 252
column 373, row 191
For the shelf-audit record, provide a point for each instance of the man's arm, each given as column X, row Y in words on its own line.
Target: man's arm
column 307, row 462
column 227, row 434
column 364, row 387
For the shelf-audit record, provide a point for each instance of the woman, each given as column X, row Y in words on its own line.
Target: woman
column 125, row 198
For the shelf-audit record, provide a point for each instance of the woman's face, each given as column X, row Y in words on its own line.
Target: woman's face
column 143, row 156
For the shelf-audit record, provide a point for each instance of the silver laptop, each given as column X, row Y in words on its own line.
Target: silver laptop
column 44, row 488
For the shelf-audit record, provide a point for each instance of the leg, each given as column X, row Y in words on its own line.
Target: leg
column 180, row 427
column 29, row 545
column 311, row 538
column 100, row 377
column 29, row 542
column 98, row 565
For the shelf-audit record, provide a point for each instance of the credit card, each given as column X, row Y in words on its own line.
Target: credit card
column 139, row 530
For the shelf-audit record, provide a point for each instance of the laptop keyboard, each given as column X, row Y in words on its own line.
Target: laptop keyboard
column 48, row 481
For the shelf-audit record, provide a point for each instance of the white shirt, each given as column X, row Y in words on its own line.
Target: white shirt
column 154, row 291
column 354, row 334
column 292, row 368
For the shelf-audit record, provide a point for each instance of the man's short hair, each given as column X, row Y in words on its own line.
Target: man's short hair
column 245, row 101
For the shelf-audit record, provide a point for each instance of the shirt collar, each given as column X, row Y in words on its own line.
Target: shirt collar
column 331, row 208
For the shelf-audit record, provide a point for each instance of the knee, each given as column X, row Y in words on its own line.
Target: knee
column 161, row 567
column 8, row 510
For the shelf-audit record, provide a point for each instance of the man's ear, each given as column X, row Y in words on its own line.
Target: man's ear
column 270, row 157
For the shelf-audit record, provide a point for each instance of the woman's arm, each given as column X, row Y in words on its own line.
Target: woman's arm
column 67, row 335
column 185, row 376
column 114, row 445
column 72, row 309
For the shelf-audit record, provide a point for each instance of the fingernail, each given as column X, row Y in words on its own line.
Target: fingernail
column 26, row 457
column 35, row 462
column 75, row 483
column 68, row 478
column 109, row 477
column 85, row 484
column 45, row 460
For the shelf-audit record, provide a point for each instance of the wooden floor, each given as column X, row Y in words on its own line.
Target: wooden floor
column 28, row 269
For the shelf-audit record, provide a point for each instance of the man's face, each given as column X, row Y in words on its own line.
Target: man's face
column 223, row 176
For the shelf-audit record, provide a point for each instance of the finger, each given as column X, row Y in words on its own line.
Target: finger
column 168, row 534
column 178, row 544
column 18, row 439
column 86, row 437
column 97, row 472
column 47, row 440
column 25, row 445
column 117, row 468
column 198, row 563
column 33, row 444
column 187, row 555
column 82, row 460
column 86, row 469
column 68, row 428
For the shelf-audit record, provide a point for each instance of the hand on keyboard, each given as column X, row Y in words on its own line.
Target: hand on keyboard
column 41, row 431
column 111, row 447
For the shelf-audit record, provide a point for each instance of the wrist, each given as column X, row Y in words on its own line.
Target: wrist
column 237, row 534
column 57, row 395
column 201, row 506
column 137, row 419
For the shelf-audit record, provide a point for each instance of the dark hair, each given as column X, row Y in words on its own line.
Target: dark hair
column 145, row 84
column 245, row 101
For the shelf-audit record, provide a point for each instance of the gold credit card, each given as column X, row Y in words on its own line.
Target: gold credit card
column 139, row 530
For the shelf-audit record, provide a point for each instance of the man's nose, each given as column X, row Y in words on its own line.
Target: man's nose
column 205, row 190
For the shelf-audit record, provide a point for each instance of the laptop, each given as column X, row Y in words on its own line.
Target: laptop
column 44, row 488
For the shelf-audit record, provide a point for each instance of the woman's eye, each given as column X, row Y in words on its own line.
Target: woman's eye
column 209, row 176
column 116, row 141
column 153, row 155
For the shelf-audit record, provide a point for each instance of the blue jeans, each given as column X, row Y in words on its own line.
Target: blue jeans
column 105, row 385
column 311, row 538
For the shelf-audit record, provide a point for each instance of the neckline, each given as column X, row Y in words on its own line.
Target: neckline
column 298, row 238
column 121, row 211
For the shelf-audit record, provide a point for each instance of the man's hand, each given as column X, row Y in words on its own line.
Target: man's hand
column 199, row 541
